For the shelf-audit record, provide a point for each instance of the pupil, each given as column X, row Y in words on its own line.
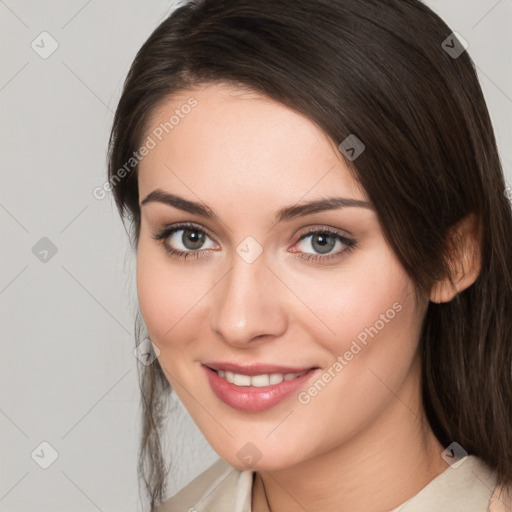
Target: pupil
column 324, row 245
column 194, row 240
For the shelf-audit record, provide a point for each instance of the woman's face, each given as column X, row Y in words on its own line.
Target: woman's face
column 263, row 295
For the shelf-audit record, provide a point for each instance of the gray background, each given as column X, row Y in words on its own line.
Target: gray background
column 68, row 373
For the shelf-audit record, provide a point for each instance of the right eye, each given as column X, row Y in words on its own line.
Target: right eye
column 190, row 236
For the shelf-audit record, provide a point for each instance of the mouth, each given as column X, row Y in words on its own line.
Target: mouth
column 255, row 388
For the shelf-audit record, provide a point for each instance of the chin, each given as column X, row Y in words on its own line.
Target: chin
column 251, row 458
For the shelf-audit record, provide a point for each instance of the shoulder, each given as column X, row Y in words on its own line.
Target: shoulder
column 219, row 488
column 501, row 499
column 470, row 486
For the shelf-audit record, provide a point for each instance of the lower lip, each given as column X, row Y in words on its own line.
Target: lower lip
column 251, row 398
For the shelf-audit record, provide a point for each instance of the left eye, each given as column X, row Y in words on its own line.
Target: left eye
column 323, row 242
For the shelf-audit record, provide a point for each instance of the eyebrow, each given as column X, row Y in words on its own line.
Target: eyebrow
column 284, row 214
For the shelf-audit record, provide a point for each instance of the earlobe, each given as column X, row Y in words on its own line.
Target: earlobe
column 465, row 256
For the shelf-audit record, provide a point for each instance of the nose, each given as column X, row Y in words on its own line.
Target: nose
column 248, row 305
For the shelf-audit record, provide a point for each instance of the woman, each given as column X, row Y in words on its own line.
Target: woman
column 324, row 255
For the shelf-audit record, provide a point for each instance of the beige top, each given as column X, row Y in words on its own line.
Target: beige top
column 469, row 488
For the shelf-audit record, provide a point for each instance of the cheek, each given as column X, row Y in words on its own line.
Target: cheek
column 369, row 301
column 167, row 296
column 373, row 329
column 377, row 325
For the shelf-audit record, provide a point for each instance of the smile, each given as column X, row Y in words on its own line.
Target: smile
column 258, row 391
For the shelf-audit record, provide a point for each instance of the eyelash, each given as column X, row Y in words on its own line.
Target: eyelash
column 162, row 236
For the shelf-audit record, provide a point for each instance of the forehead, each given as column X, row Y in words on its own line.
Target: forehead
column 227, row 141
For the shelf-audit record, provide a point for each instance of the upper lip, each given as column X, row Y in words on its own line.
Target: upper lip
column 256, row 368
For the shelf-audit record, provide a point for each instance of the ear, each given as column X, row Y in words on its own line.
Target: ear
column 465, row 258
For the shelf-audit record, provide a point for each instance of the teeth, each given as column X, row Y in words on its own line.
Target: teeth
column 241, row 380
column 260, row 380
column 257, row 381
column 277, row 378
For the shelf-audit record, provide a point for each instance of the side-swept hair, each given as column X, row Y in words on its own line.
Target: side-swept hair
column 376, row 69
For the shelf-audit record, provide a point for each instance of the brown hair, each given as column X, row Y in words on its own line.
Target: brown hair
column 376, row 69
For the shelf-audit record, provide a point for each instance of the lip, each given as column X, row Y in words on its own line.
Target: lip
column 252, row 398
column 256, row 368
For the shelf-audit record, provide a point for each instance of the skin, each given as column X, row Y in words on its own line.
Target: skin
column 246, row 156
